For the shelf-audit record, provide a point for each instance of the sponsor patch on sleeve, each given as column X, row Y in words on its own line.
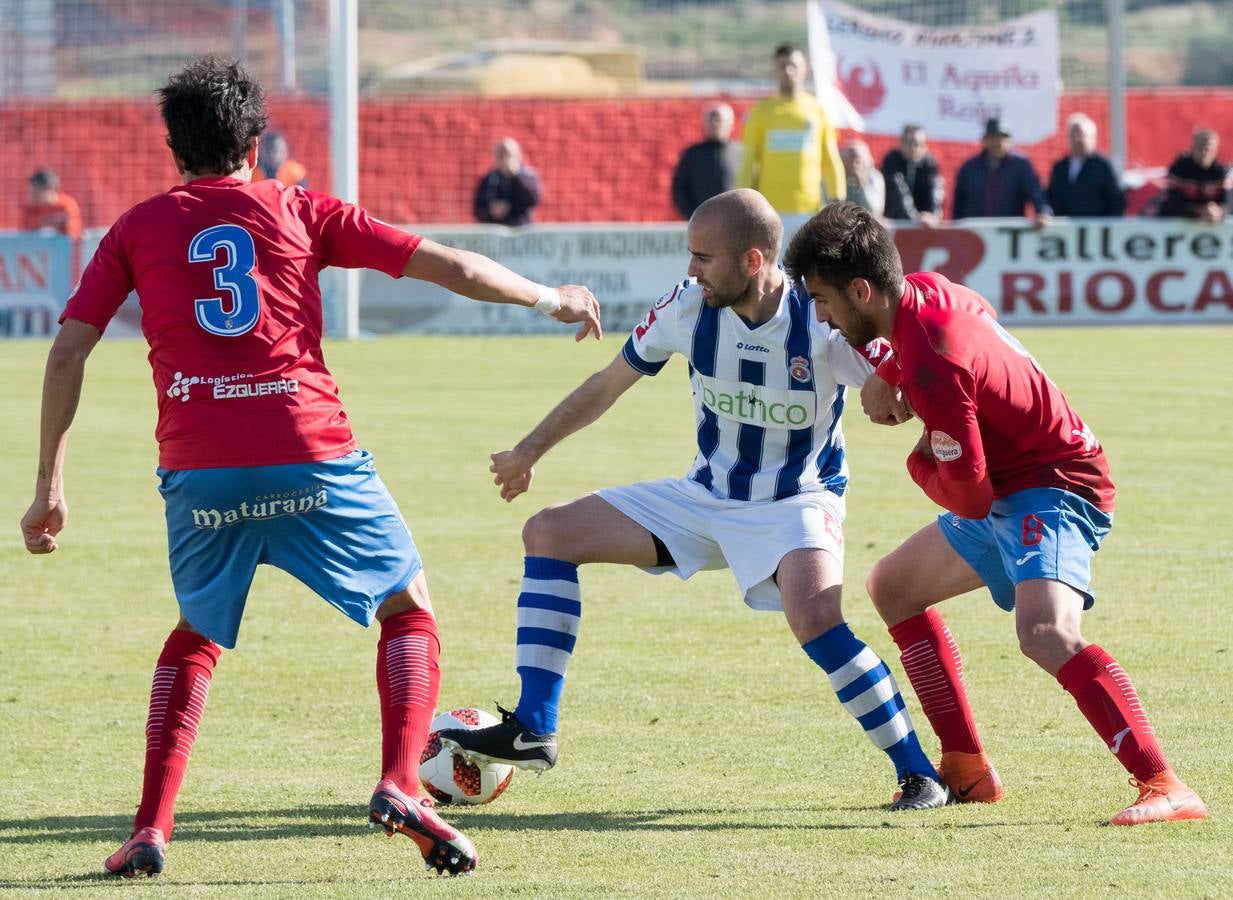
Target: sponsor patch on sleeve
column 945, row 448
column 668, row 297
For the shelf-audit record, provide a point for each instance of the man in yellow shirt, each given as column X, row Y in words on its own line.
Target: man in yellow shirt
column 791, row 148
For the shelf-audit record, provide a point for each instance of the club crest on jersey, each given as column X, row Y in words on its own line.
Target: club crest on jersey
column 667, row 298
column 799, row 369
column 945, row 448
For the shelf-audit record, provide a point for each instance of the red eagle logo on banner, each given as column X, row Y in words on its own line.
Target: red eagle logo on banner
column 861, row 84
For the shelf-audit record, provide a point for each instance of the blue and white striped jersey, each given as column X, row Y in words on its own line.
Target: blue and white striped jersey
column 767, row 398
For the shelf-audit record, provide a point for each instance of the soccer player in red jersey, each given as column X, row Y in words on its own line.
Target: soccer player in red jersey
column 256, row 456
column 1028, row 495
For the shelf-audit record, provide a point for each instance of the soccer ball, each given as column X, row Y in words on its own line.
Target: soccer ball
column 448, row 777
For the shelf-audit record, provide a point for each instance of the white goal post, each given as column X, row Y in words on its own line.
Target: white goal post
column 344, row 148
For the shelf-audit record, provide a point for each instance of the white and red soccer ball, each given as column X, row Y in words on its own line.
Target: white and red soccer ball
column 448, row 777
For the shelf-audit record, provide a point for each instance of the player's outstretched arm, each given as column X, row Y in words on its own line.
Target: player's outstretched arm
column 480, row 278
column 66, row 367
column 514, row 469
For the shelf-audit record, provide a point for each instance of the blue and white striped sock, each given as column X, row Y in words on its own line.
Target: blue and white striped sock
column 868, row 691
column 549, row 610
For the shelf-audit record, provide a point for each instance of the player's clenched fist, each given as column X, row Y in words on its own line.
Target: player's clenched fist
column 883, row 403
column 42, row 522
column 514, row 473
column 578, row 304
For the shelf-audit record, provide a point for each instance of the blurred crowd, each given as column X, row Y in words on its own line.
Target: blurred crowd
column 790, row 151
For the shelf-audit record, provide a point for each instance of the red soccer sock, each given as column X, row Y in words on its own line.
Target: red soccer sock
column 934, row 667
column 177, row 701
column 1107, row 698
column 408, row 681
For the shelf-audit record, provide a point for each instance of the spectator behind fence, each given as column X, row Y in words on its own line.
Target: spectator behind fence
column 274, row 161
column 708, row 167
column 50, row 209
column 791, row 151
column 998, row 181
column 1083, row 182
column 864, row 182
column 913, row 182
column 510, row 190
column 1195, row 186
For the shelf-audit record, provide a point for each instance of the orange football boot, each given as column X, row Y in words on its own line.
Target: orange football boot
column 1164, row 798
column 970, row 777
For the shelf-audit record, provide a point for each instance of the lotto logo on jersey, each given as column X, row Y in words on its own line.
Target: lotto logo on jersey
column 945, row 448
column 230, row 387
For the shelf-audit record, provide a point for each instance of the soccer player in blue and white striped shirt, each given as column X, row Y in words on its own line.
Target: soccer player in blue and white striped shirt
column 764, row 497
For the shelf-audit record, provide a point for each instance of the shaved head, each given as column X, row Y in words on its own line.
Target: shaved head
column 746, row 220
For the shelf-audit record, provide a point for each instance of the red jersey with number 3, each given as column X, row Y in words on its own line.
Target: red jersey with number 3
column 985, row 401
column 226, row 272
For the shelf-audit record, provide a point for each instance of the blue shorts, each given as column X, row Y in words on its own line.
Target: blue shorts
column 1038, row 533
column 331, row 524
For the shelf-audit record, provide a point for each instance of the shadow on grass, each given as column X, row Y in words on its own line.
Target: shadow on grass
column 63, row 882
column 93, row 880
column 345, row 820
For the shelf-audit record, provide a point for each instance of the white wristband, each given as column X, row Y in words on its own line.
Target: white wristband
column 549, row 300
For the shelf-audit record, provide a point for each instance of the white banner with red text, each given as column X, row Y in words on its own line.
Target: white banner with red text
column 1073, row 272
column 1084, row 271
column 948, row 80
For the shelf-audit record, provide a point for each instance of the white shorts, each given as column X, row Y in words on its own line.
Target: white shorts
column 702, row 531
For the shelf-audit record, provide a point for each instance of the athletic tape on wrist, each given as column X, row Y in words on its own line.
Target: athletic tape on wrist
column 549, row 300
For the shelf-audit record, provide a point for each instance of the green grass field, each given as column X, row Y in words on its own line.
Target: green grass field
column 702, row 753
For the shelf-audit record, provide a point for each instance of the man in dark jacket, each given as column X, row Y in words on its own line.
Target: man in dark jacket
column 708, row 167
column 997, row 182
column 508, row 193
column 1195, row 188
column 913, row 183
column 1083, row 183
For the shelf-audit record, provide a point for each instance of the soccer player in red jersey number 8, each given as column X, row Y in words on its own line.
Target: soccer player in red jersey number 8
column 1028, row 495
column 256, row 456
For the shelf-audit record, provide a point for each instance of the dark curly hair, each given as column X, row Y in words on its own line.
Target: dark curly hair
column 212, row 110
column 842, row 242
